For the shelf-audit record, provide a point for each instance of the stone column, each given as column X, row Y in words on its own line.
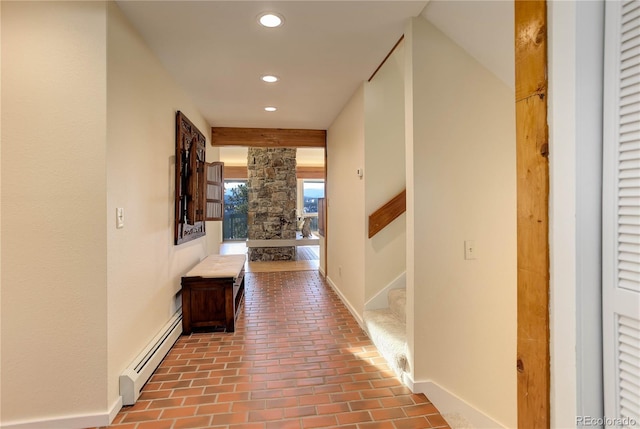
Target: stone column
column 272, row 201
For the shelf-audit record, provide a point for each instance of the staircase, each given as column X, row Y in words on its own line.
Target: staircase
column 388, row 330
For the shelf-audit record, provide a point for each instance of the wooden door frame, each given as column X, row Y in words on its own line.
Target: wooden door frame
column 532, row 151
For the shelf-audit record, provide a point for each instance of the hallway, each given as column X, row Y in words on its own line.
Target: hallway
column 297, row 360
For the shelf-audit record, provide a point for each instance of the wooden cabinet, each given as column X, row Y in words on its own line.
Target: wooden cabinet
column 212, row 294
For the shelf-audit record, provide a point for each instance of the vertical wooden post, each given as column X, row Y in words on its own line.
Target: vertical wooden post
column 533, row 215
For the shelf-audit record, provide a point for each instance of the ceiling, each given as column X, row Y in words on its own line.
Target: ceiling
column 216, row 51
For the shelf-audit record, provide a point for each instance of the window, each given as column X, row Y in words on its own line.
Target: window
column 312, row 190
column 236, row 205
column 214, row 204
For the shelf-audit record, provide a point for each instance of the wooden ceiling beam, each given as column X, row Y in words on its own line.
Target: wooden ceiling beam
column 267, row 137
column 302, row 172
column 235, row 172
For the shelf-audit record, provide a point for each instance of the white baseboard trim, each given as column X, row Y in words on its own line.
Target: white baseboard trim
column 449, row 404
column 115, row 409
column 70, row 422
column 322, row 273
column 347, row 304
column 380, row 299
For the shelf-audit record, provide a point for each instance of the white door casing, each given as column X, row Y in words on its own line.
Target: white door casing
column 621, row 215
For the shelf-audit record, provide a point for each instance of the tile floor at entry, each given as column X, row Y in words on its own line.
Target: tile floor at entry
column 298, row 359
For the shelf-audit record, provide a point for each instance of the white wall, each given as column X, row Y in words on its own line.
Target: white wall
column 54, row 244
column 461, row 186
column 346, row 221
column 384, row 166
column 144, row 266
column 89, row 118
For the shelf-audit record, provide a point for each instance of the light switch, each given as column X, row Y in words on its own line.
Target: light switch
column 470, row 250
column 119, row 217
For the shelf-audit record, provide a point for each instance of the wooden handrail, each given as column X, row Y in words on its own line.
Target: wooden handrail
column 382, row 217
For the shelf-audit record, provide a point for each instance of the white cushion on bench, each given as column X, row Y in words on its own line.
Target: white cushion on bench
column 218, row 266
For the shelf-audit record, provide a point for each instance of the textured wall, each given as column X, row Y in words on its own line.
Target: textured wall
column 272, row 201
column 461, row 185
column 54, row 258
column 144, row 266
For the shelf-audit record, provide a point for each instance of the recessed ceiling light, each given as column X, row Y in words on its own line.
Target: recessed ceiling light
column 270, row 109
column 271, row 20
column 269, row 78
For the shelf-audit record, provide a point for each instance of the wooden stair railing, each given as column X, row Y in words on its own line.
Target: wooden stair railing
column 382, row 217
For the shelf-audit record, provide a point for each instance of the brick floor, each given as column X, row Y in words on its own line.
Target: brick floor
column 297, row 360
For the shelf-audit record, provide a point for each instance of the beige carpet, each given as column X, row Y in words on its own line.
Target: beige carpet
column 278, row 266
column 307, row 259
column 457, row 421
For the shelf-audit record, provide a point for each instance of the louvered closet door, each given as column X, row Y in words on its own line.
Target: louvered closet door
column 621, row 214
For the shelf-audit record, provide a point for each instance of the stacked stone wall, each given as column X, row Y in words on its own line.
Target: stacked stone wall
column 272, row 188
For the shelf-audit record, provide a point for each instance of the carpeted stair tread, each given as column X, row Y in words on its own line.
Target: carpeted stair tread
column 388, row 333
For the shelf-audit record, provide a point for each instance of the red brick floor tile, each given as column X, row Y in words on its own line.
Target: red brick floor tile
column 172, row 413
column 341, row 407
column 229, row 418
column 300, row 411
column 377, row 425
column 213, row 409
column 192, row 422
column 367, row 404
column 388, row 414
column 155, row 394
column 376, row 393
column 266, row 415
column 165, row 403
column 354, row 417
column 246, row 426
column 419, row 398
column 420, row 410
column 437, row 421
column 192, row 391
column 141, row 416
column 158, row 424
column 248, row 406
column 284, row 424
column 199, row 400
column 397, row 401
column 412, row 423
column 318, row 422
column 346, row 397
column 281, row 402
column 297, row 360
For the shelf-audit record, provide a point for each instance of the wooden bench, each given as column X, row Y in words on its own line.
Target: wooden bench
column 212, row 293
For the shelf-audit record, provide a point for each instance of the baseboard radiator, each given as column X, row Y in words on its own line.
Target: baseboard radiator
column 138, row 373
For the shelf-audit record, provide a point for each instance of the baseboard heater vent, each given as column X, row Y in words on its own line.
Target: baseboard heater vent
column 138, row 373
